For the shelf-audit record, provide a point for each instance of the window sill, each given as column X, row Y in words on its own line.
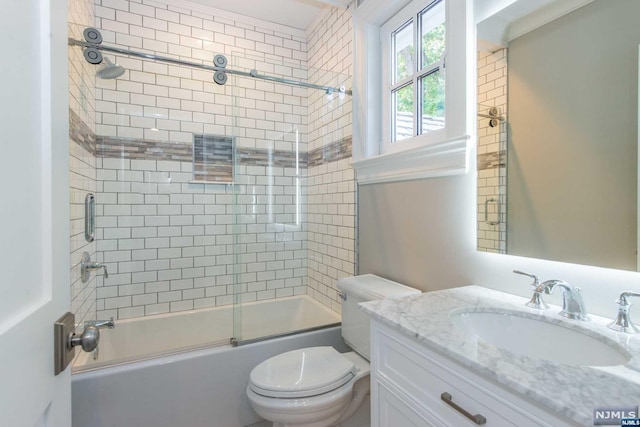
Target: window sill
column 442, row 159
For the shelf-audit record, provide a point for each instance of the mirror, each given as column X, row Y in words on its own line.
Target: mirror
column 558, row 131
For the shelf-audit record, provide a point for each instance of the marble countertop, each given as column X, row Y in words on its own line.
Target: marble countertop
column 571, row 391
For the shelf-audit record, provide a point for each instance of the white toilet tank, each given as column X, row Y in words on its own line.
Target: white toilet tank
column 357, row 289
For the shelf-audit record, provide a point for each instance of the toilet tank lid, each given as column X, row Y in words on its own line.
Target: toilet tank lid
column 370, row 287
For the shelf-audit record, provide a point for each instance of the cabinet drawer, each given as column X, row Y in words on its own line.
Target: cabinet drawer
column 423, row 376
column 395, row 412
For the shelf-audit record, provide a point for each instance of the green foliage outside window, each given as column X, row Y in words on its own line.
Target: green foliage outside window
column 433, row 45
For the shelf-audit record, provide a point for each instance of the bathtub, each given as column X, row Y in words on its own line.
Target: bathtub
column 164, row 334
column 200, row 386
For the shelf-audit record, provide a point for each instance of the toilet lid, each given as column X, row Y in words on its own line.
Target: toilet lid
column 302, row 373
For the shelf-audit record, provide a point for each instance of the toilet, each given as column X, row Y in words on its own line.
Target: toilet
column 318, row 386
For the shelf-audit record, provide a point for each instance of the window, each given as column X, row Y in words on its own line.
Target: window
column 413, row 83
column 414, row 50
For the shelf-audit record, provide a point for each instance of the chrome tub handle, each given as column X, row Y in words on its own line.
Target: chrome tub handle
column 90, row 217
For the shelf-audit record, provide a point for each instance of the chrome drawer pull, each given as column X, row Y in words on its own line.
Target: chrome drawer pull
column 478, row 419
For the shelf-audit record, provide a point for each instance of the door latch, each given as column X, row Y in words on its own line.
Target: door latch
column 66, row 340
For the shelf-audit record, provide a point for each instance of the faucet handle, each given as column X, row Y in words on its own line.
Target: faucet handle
column 536, row 300
column 623, row 299
column 536, row 279
column 86, row 267
column 622, row 322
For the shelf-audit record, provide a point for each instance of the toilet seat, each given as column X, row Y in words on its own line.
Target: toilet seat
column 302, row 373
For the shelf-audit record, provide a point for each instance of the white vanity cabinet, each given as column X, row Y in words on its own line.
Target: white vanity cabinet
column 410, row 382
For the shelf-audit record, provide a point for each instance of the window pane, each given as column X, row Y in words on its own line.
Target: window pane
column 432, row 33
column 403, row 111
column 433, row 106
column 403, row 52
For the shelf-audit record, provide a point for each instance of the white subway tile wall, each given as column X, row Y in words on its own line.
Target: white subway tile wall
column 492, row 92
column 160, row 102
column 330, row 59
column 172, row 248
column 332, row 200
column 332, row 208
column 172, row 245
column 82, row 162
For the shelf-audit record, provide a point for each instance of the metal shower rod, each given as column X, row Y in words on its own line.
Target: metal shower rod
column 253, row 73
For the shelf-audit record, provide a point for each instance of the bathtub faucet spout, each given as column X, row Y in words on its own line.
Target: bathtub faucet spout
column 101, row 324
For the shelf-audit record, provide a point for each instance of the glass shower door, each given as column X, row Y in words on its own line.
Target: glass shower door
column 163, row 182
column 271, row 191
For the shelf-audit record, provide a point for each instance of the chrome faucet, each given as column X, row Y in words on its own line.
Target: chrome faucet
column 101, row 324
column 572, row 304
column 623, row 321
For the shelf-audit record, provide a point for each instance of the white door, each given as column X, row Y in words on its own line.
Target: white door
column 638, row 173
column 34, row 211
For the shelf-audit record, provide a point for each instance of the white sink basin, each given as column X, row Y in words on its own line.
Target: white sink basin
column 540, row 339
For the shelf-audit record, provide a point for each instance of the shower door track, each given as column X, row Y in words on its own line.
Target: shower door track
column 240, row 342
column 253, row 73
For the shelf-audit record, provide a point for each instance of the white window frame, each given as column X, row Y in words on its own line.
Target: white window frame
column 438, row 153
column 402, row 18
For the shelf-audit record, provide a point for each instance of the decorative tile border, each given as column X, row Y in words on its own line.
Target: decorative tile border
column 132, row 148
column 331, row 152
column 80, row 133
column 493, row 160
column 277, row 158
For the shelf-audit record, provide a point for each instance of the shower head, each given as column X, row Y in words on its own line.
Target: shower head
column 109, row 70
